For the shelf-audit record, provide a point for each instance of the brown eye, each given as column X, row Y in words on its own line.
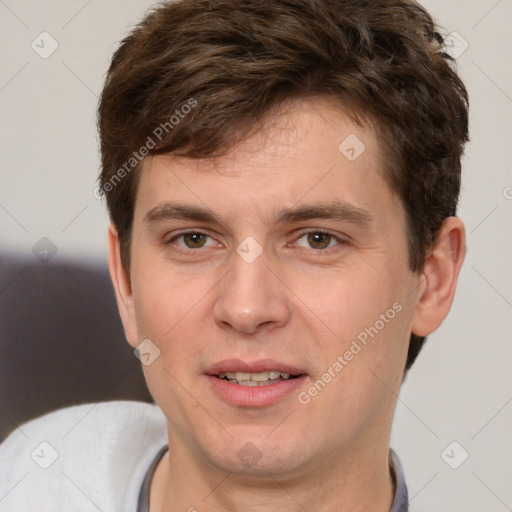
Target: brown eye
column 194, row 240
column 318, row 240
column 190, row 240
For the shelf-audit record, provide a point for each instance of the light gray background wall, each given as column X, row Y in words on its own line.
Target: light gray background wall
column 459, row 390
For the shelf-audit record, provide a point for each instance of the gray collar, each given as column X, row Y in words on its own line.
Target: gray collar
column 143, row 501
column 401, row 500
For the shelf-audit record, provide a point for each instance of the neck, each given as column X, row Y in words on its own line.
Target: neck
column 356, row 481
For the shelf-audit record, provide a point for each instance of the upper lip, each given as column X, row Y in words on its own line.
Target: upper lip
column 261, row 365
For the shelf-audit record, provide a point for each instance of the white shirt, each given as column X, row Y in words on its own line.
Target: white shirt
column 96, row 457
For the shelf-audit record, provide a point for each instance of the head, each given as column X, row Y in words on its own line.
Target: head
column 249, row 111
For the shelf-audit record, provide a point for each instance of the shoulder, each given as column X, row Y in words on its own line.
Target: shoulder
column 84, row 457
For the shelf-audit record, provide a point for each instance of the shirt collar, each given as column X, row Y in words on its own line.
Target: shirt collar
column 401, row 500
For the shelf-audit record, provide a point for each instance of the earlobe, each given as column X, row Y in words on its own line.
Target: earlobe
column 122, row 287
column 439, row 277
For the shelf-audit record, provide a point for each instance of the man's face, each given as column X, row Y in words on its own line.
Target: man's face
column 268, row 285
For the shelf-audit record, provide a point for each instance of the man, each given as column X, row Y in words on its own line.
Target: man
column 282, row 180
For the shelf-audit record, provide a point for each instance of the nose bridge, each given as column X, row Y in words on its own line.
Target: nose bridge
column 250, row 295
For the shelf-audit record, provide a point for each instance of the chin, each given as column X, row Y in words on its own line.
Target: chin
column 264, row 468
column 256, row 455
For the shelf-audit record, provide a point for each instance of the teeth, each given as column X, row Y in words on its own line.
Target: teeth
column 256, row 377
column 251, row 382
column 249, row 378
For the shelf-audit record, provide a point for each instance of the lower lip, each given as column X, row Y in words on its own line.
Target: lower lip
column 254, row 396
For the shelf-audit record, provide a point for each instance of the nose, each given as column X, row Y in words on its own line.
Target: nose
column 251, row 298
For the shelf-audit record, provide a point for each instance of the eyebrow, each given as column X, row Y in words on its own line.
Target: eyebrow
column 335, row 210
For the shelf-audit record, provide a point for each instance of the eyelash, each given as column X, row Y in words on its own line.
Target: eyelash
column 182, row 250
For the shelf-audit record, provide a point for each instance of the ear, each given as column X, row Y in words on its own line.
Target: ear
column 122, row 287
column 439, row 277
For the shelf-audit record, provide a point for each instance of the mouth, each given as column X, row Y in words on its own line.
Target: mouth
column 254, row 384
column 257, row 378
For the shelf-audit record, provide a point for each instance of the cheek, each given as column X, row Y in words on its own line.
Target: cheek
column 351, row 301
column 165, row 300
column 173, row 310
column 366, row 317
column 168, row 307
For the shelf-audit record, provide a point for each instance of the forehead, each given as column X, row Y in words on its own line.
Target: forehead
column 310, row 152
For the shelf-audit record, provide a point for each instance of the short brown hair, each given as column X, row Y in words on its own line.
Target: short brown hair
column 233, row 61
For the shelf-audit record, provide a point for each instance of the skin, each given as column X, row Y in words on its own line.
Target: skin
column 299, row 302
